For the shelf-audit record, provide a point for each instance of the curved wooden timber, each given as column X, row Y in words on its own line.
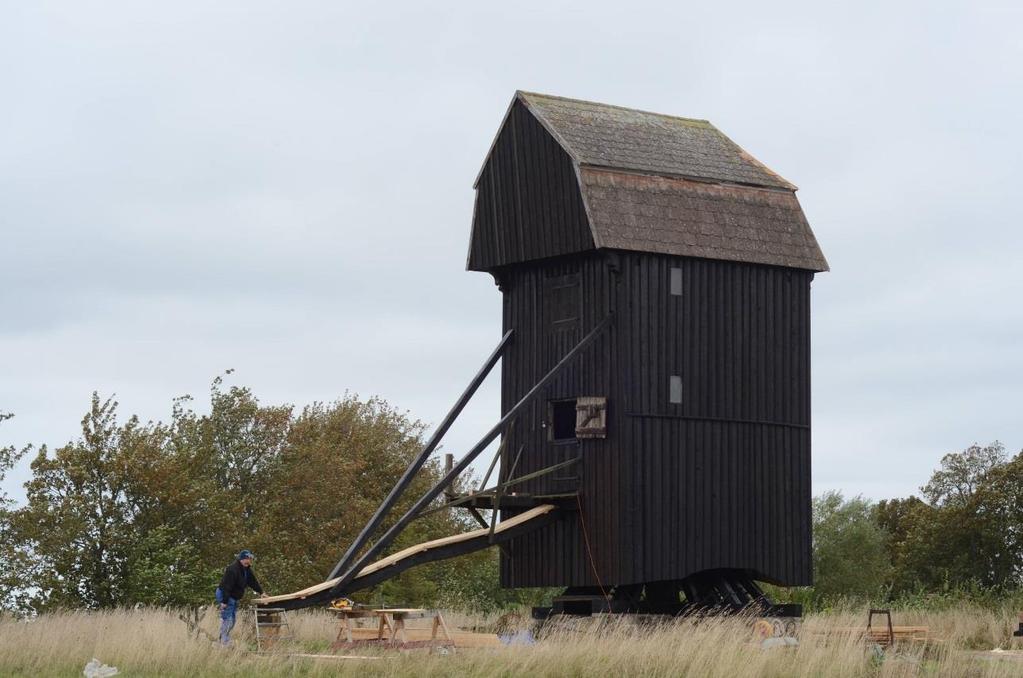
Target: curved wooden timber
column 394, row 564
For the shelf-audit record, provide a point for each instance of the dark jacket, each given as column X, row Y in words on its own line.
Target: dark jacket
column 236, row 578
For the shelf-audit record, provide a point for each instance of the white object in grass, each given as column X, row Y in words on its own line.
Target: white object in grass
column 97, row 669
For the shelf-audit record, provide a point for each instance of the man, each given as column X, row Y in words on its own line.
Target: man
column 237, row 576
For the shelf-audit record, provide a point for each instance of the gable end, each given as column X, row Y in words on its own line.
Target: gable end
column 528, row 203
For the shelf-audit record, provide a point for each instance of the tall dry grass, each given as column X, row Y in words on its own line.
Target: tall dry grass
column 157, row 643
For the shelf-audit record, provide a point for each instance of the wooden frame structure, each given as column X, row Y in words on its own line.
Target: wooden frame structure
column 692, row 424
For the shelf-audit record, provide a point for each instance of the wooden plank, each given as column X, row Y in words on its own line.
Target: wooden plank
column 503, row 526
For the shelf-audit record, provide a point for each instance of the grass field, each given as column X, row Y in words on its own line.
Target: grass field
column 156, row 643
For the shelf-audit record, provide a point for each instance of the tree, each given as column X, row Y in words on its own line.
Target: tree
column 962, row 473
column 340, row 461
column 968, row 531
column 848, row 548
column 906, row 522
column 151, row 513
column 175, row 517
column 76, row 523
column 14, row 563
column 998, row 513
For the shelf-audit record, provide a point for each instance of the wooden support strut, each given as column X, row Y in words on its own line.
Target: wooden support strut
column 497, row 455
column 449, row 494
column 417, row 463
column 466, row 499
column 497, row 494
column 432, row 494
column 474, row 512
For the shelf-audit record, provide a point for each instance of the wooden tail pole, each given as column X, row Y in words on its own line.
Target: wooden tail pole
column 417, row 463
column 464, row 462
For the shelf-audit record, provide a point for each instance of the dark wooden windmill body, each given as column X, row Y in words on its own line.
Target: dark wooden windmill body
column 689, row 417
column 655, row 367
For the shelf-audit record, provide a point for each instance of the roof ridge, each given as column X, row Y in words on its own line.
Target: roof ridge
column 695, row 178
column 522, row 92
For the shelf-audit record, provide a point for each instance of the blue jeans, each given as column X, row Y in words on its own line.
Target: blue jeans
column 227, row 621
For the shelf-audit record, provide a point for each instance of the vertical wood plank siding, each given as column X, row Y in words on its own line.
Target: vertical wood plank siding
column 528, row 204
column 721, row 480
column 556, row 554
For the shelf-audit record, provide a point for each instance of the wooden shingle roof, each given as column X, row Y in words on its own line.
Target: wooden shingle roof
column 698, row 219
column 611, row 136
column 646, row 182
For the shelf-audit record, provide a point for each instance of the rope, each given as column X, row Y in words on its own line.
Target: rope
column 589, row 553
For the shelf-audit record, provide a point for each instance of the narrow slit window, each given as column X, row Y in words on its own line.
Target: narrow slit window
column 562, row 302
column 675, row 389
column 676, row 282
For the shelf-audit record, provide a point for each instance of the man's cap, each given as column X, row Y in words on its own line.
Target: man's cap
column 245, row 554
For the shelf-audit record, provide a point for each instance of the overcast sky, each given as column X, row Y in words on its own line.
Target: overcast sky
column 286, row 189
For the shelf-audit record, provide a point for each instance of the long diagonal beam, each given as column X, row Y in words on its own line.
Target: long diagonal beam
column 417, row 463
column 464, row 462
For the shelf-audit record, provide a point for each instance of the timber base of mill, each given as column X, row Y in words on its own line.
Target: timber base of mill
column 709, row 591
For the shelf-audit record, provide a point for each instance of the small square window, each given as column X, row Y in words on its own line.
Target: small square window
column 562, row 419
column 675, row 390
column 676, row 282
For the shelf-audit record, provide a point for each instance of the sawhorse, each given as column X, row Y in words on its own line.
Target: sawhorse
column 391, row 629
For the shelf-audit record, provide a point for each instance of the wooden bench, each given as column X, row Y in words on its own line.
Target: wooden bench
column 391, row 630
